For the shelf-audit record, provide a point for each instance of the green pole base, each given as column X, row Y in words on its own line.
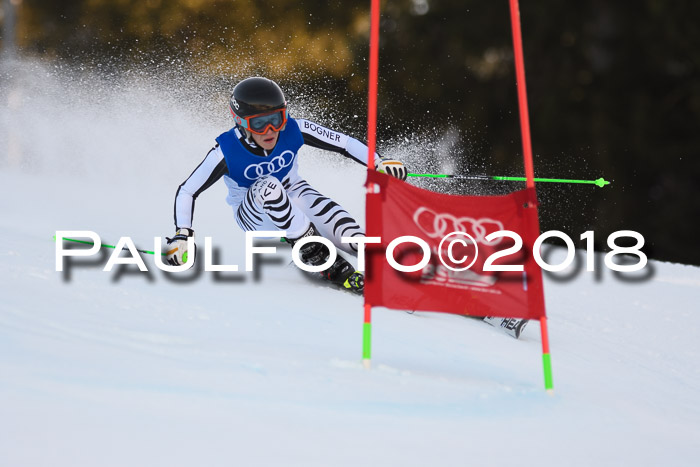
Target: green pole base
column 547, row 366
column 366, row 341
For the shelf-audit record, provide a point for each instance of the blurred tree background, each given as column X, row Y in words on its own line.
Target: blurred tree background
column 613, row 87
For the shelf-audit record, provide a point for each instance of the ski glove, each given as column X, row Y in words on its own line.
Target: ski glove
column 177, row 247
column 392, row 167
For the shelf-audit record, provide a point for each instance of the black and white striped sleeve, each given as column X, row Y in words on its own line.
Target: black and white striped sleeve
column 324, row 138
column 212, row 168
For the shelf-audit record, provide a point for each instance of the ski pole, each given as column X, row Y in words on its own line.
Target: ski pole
column 106, row 246
column 601, row 182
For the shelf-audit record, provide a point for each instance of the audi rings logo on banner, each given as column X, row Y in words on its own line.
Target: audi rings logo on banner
column 255, row 171
column 436, row 225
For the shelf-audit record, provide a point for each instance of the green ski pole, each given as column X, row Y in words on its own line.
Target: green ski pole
column 601, row 182
column 107, row 246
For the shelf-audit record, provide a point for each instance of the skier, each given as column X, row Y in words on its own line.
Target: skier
column 257, row 159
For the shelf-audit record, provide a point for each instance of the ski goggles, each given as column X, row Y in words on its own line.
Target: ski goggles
column 259, row 124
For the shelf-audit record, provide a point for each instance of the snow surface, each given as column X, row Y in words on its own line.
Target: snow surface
column 143, row 369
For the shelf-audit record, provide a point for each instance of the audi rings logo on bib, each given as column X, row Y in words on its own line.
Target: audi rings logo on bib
column 277, row 164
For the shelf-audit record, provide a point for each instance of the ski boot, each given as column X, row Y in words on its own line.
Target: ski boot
column 355, row 283
column 341, row 273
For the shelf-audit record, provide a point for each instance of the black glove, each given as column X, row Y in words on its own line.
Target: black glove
column 392, row 167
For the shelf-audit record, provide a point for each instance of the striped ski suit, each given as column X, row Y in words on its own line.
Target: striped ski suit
column 264, row 187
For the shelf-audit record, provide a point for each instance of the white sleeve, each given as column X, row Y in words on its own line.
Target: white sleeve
column 359, row 151
column 212, row 168
column 324, row 138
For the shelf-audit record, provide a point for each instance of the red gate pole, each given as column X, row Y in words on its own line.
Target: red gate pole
column 372, row 145
column 529, row 166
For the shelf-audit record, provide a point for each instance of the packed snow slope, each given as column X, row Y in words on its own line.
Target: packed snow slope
column 220, row 369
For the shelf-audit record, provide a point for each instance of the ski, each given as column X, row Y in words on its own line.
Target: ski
column 512, row 326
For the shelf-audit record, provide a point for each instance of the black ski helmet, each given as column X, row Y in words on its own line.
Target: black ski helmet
column 254, row 96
